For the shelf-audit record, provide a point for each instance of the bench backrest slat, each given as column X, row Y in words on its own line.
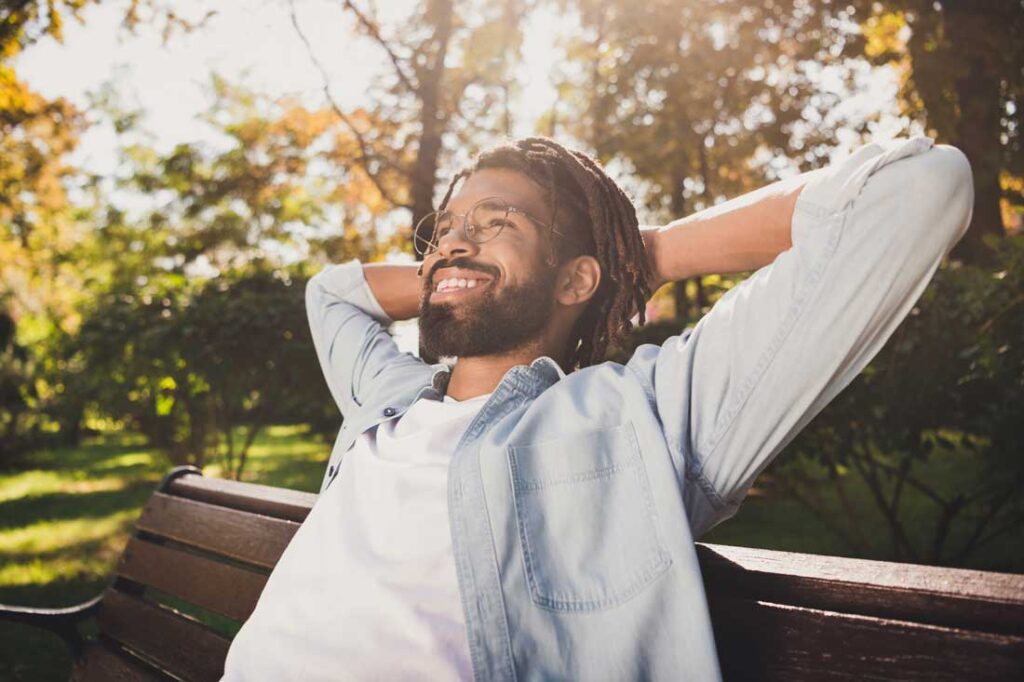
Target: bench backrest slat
column 978, row 600
column 280, row 503
column 219, row 587
column 764, row 641
column 239, row 535
column 185, row 648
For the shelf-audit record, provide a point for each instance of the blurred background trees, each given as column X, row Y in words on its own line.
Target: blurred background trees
column 164, row 298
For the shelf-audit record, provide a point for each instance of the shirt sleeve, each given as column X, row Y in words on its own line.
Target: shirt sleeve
column 868, row 234
column 349, row 332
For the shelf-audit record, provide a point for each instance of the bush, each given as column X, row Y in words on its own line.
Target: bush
column 189, row 364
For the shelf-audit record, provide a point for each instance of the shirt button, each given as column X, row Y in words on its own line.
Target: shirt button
column 389, row 411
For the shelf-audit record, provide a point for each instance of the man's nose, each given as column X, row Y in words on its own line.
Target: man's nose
column 456, row 243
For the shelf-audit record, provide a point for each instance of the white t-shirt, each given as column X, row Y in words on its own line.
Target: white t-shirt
column 367, row 588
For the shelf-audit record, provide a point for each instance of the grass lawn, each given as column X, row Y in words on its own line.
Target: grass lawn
column 66, row 516
column 65, row 521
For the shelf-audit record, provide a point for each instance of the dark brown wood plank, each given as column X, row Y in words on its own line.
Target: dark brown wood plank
column 100, row 664
column 254, row 539
column 975, row 600
column 762, row 641
column 184, row 648
column 222, row 588
column 280, row 503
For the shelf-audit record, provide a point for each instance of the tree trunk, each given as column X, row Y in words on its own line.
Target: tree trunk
column 678, row 205
column 430, row 80
column 978, row 126
column 429, row 85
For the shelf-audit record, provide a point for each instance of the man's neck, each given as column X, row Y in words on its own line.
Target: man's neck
column 472, row 377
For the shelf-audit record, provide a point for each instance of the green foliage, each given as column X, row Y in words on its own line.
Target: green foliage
column 962, row 72
column 186, row 363
column 944, row 393
column 949, row 383
column 281, row 185
column 15, row 370
column 698, row 96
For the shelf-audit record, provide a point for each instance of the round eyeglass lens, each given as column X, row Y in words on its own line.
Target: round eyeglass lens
column 426, row 235
column 484, row 222
column 486, row 219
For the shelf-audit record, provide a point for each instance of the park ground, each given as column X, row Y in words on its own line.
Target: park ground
column 65, row 516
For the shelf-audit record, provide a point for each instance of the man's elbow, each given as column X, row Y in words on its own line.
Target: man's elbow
column 943, row 176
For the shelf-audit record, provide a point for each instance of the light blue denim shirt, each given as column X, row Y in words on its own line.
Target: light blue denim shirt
column 575, row 500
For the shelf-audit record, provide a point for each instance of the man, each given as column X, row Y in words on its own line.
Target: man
column 528, row 513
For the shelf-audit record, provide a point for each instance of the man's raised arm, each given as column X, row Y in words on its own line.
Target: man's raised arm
column 742, row 234
column 865, row 238
column 396, row 288
column 349, row 307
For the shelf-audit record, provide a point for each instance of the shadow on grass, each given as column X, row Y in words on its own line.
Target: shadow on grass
column 105, row 452
column 54, row 594
column 25, row 511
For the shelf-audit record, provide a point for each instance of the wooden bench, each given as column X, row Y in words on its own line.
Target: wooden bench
column 202, row 550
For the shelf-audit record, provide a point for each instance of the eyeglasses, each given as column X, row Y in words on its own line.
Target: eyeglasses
column 483, row 222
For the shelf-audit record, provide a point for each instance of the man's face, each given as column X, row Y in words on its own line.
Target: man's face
column 495, row 296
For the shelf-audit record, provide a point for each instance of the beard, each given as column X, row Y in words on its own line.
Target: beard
column 495, row 321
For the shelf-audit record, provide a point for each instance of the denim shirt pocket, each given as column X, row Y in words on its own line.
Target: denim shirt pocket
column 586, row 519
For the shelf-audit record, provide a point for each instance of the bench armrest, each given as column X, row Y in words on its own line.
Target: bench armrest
column 61, row 621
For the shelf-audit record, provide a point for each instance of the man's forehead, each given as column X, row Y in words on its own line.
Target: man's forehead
column 512, row 186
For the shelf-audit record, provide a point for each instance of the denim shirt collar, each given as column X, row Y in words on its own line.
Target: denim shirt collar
column 535, row 378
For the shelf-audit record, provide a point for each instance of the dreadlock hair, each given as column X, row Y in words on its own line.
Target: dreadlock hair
column 597, row 219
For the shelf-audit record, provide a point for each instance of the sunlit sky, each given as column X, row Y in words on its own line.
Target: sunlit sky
column 253, row 42
column 248, row 41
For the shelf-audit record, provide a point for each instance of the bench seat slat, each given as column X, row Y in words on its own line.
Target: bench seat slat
column 222, row 588
column 184, row 648
column 248, row 537
column 99, row 664
column 764, row 641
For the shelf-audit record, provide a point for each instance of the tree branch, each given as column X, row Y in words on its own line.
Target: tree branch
column 901, row 544
column 373, row 31
column 366, row 158
column 844, row 499
column 975, row 540
column 914, row 483
column 854, row 542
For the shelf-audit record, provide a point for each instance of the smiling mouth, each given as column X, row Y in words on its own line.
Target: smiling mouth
column 459, row 285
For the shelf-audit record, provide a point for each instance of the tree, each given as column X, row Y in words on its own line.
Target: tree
column 42, row 282
column 190, row 364
column 962, row 69
column 283, row 186
column 945, row 391
column 697, row 98
column 198, row 327
column 449, row 77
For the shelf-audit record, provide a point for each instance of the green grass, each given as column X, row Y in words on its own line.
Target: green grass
column 65, row 521
column 66, row 516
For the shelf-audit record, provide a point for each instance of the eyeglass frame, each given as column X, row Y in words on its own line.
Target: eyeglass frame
column 465, row 222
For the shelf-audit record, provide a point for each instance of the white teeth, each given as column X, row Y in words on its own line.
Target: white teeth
column 457, row 283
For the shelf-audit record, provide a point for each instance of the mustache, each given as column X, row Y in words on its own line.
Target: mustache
column 463, row 263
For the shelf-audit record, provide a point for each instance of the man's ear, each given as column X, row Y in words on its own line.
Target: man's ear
column 577, row 280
